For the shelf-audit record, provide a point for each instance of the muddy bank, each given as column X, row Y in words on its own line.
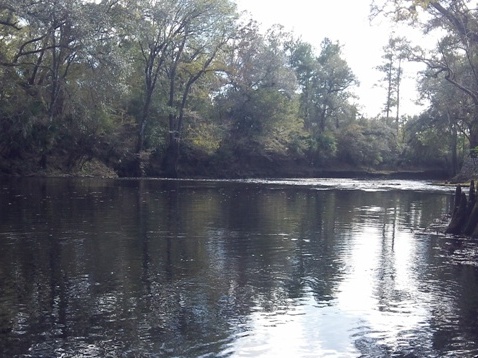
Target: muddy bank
column 203, row 167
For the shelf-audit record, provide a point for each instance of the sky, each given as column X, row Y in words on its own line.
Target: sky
column 346, row 21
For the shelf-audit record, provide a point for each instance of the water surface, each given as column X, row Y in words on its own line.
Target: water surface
column 255, row 268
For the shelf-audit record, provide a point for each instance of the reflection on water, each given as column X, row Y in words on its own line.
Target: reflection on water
column 97, row 268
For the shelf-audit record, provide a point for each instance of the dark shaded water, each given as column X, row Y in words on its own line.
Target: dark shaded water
column 129, row 268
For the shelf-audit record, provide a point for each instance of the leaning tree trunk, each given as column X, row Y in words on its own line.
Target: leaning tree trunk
column 468, row 170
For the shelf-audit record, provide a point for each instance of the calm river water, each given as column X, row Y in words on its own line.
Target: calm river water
column 297, row 268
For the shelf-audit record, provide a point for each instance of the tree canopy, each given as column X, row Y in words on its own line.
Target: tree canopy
column 454, row 24
column 153, row 87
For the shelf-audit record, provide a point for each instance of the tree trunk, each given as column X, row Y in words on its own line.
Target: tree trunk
column 459, row 217
column 474, row 131
column 171, row 159
column 472, row 211
column 471, row 222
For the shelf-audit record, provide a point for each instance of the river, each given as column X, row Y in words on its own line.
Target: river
column 244, row 268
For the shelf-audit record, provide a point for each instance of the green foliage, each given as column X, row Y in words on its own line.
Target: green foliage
column 88, row 81
column 265, row 121
column 325, row 82
column 260, row 103
column 368, row 143
column 203, row 136
column 178, row 44
column 322, row 147
column 450, row 81
column 429, row 139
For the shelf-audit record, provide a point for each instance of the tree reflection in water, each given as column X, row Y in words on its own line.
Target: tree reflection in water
column 190, row 268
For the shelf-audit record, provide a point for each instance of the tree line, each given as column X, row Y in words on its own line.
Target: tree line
column 152, row 87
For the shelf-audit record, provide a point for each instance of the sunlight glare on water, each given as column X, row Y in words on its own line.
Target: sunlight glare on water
column 356, row 184
column 371, row 306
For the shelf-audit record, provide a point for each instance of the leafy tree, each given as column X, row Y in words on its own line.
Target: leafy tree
column 304, row 61
column 331, row 84
column 368, row 143
column 196, row 54
column 259, row 99
column 449, row 115
column 325, row 82
column 457, row 21
column 178, row 42
column 427, row 139
column 161, row 22
column 53, row 54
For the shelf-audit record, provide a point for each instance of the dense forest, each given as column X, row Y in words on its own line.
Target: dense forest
column 194, row 88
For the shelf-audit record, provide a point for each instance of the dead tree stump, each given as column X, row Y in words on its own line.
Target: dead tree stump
column 458, row 219
column 464, row 218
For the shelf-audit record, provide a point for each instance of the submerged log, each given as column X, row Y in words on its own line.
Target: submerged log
column 464, row 218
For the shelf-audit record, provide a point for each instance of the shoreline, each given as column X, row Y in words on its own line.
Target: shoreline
column 315, row 173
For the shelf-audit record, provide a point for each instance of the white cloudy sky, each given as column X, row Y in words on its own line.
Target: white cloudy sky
column 346, row 21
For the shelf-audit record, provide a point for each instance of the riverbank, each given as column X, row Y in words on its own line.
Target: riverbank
column 107, row 173
column 258, row 167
